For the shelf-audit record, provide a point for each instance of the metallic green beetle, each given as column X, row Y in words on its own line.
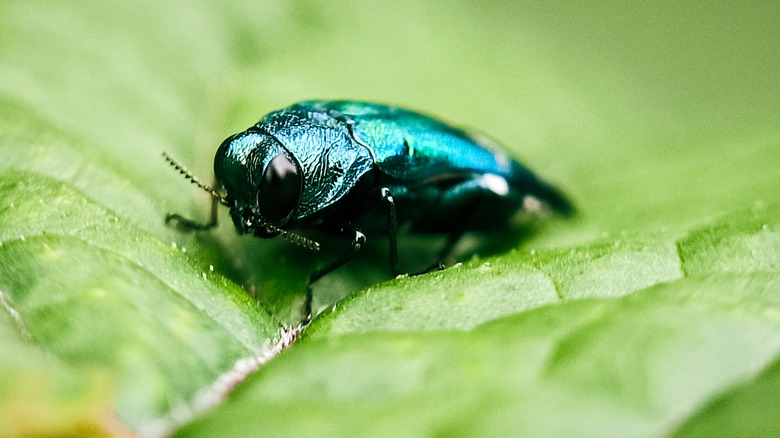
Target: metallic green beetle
column 349, row 168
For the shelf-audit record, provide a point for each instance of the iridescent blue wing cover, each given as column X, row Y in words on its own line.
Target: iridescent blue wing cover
column 413, row 147
column 416, row 149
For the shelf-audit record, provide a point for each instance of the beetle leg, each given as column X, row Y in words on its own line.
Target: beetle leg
column 452, row 239
column 470, row 201
column 183, row 224
column 357, row 242
column 392, row 228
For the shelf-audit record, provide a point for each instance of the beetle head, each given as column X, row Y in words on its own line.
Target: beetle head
column 258, row 204
column 263, row 182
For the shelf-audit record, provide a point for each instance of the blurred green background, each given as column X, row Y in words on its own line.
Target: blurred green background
column 660, row 119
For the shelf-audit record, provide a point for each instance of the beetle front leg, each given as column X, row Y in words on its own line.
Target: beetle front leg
column 357, row 241
column 182, row 223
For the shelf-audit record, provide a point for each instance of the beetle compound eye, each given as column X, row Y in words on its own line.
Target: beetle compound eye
column 279, row 190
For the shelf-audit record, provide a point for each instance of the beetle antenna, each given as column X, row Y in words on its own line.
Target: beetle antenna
column 188, row 175
column 295, row 238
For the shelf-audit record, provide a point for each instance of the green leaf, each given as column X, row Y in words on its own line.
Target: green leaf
column 631, row 366
column 655, row 311
column 33, row 383
column 97, row 292
column 636, row 365
column 747, row 410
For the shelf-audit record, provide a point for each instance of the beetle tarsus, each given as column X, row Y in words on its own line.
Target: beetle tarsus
column 436, row 266
column 182, row 223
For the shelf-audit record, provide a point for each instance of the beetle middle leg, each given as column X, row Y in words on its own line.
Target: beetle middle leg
column 392, row 228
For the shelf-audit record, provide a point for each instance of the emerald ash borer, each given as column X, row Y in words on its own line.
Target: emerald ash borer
column 347, row 168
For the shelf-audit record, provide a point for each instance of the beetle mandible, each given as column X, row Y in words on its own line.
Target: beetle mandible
column 323, row 165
